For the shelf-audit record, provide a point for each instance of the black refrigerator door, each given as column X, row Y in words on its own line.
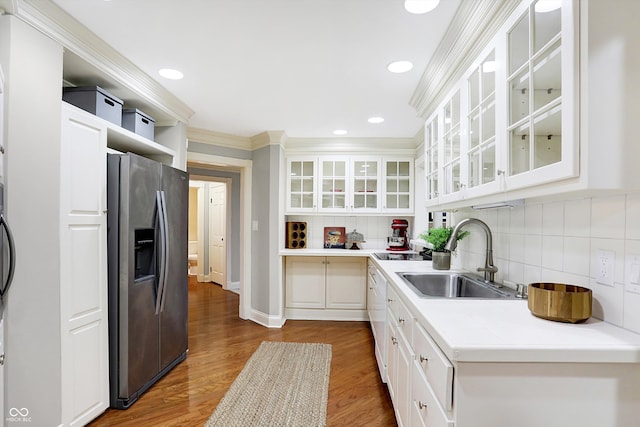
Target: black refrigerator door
column 173, row 311
column 138, row 328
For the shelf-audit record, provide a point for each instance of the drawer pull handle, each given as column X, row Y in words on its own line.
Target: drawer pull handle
column 389, row 300
column 421, row 405
column 400, row 320
column 423, row 359
column 394, row 340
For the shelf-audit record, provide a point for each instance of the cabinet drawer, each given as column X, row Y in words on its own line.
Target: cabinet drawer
column 425, row 408
column 400, row 314
column 435, row 365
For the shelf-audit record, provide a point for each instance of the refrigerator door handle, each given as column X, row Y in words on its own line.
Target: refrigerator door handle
column 163, row 252
column 166, row 249
column 12, row 257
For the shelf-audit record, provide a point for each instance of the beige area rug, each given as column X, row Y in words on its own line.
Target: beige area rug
column 282, row 384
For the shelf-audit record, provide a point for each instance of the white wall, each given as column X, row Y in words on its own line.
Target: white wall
column 557, row 241
column 374, row 228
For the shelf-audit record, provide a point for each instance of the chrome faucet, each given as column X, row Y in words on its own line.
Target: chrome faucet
column 489, row 269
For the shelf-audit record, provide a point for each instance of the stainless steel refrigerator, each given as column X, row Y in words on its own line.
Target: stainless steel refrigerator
column 147, row 257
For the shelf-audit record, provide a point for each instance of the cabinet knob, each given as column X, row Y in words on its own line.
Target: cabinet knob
column 421, row 405
column 423, row 359
column 400, row 320
column 389, row 300
column 394, row 340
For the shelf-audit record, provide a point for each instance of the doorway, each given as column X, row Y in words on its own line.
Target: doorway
column 213, row 233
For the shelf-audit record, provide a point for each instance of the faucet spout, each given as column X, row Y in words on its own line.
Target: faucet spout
column 489, row 269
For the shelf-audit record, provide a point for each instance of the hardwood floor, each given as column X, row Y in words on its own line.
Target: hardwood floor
column 220, row 344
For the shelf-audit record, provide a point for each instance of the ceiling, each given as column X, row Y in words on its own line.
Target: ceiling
column 306, row 67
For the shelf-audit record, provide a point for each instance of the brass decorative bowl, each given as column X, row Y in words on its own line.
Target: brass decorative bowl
column 560, row 302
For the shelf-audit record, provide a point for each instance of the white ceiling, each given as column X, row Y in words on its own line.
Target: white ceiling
column 306, row 67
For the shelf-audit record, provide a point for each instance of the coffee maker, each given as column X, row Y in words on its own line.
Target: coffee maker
column 398, row 240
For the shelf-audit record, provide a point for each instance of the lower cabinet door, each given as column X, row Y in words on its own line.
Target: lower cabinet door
column 425, row 409
column 304, row 280
column 346, row 283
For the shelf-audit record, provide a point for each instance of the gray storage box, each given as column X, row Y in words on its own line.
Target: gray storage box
column 95, row 100
column 138, row 122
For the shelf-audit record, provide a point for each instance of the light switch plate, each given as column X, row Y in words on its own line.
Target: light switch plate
column 605, row 267
column 632, row 274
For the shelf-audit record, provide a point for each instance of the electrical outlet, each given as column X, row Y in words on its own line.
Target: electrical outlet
column 605, row 267
column 632, row 274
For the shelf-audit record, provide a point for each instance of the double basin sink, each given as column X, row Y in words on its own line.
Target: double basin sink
column 454, row 285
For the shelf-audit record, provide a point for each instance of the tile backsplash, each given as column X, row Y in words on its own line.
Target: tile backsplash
column 558, row 241
column 374, row 228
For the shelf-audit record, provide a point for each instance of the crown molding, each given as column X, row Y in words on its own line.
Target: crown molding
column 54, row 22
column 474, row 25
column 268, row 138
column 395, row 146
column 206, row 136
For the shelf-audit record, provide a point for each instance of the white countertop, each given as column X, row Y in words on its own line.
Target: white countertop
column 506, row 331
column 499, row 330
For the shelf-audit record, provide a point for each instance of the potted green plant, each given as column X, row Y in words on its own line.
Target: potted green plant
column 437, row 238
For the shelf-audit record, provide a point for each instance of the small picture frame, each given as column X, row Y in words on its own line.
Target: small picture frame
column 334, row 237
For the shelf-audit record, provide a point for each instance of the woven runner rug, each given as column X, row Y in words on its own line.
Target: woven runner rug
column 282, row 384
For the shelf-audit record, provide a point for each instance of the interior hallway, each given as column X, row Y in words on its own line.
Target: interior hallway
column 219, row 346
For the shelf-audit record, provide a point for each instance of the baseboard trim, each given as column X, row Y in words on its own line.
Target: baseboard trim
column 326, row 314
column 266, row 320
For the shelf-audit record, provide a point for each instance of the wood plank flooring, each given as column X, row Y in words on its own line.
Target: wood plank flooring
column 220, row 343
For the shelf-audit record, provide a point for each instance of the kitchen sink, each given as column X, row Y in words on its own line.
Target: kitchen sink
column 454, row 285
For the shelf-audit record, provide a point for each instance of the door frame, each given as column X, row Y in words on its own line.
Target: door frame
column 245, row 169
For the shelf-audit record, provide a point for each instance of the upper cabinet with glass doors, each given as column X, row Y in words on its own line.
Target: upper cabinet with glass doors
column 511, row 121
column 349, row 184
column 398, row 185
column 301, row 185
column 540, row 80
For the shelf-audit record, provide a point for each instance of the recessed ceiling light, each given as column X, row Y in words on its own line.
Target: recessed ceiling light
column 171, row 74
column 547, row 5
column 400, row 66
column 375, row 119
column 340, row 132
column 420, row 6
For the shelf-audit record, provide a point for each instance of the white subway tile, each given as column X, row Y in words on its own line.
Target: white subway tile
column 608, row 217
column 516, row 272
column 533, row 250
column 516, row 250
column 503, row 224
column 631, row 318
column 577, row 218
column 608, row 302
column 632, row 230
column 517, row 220
column 576, row 256
column 553, row 219
column 552, row 252
column 533, row 219
column 532, row 274
column 501, row 245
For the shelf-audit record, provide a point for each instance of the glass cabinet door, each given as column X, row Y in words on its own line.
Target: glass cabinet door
column 365, row 185
column 451, row 146
column 481, row 86
column 301, row 188
column 431, row 158
column 535, row 89
column 398, row 176
column 333, row 185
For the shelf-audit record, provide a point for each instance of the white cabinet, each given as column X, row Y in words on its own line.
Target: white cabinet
column 398, row 185
column 327, row 288
column 400, row 356
column 83, row 268
column 377, row 312
column 349, row 184
column 510, row 122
